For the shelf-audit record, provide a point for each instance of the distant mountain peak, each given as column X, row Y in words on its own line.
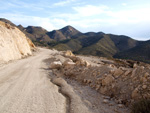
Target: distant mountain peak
column 68, row 28
column 36, row 29
column 20, row 27
column 69, row 31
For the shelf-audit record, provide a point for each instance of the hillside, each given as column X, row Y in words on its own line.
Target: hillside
column 13, row 43
column 41, row 36
column 35, row 33
column 139, row 53
column 123, row 42
column 104, row 47
column 97, row 44
column 90, row 43
column 67, row 32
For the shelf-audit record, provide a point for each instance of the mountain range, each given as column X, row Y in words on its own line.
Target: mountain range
column 91, row 43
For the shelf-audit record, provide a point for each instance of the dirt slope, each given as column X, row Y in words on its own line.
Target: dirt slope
column 13, row 43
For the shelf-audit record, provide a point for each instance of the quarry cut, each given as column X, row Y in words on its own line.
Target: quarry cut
column 13, row 43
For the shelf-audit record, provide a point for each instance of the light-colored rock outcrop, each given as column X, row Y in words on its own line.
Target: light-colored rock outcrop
column 56, row 65
column 68, row 63
column 13, row 43
column 68, row 53
column 82, row 62
column 122, row 82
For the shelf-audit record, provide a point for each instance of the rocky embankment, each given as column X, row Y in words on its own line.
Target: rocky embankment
column 122, row 81
column 13, row 43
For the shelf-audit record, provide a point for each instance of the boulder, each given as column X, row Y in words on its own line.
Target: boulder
column 68, row 53
column 135, row 65
column 97, row 87
column 127, row 72
column 89, row 81
column 112, row 71
column 112, row 66
column 107, row 80
column 118, row 72
column 134, row 72
column 82, row 62
column 106, row 101
column 120, row 105
column 135, row 94
column 56, row 65
column 146, row 75
column 68, row 63
column 144, row 86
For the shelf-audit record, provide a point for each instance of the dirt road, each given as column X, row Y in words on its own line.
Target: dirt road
column 26, row 88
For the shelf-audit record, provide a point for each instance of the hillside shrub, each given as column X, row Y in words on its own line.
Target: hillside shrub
column 142, row 106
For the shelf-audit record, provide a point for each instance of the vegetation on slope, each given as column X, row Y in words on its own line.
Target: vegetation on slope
column 139, row 53
column 142, row 106
column 91, row 43
column 104, row 47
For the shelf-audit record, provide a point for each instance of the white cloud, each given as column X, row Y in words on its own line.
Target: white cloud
column 87, row 23
column 63, row 3
column 127, row 21
column 96, row 18
column 17, row 4
column 132, row 22
column 133, row 16
column 29, row 20
column 57, row 22
column 124, row 4
column 90, row 10
column 44, row 22
column 86, row 11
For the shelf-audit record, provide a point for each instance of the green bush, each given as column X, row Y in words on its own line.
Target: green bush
column 142, row 106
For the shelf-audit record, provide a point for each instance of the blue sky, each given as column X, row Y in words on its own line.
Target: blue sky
column 122, row 17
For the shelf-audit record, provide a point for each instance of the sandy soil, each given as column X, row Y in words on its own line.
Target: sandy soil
column 26, row 88
column 94, row 101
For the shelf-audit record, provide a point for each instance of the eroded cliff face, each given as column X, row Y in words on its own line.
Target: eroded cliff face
column 13, row 43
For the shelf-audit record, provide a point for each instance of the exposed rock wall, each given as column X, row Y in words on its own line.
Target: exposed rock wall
column 13, row 43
